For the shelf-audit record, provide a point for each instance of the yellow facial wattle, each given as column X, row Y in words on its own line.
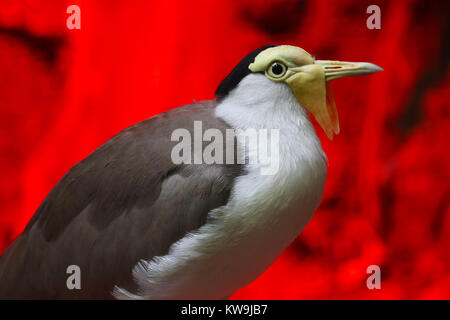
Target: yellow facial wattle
column 309, row 79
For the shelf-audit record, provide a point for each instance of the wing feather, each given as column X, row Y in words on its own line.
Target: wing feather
column 125, row 202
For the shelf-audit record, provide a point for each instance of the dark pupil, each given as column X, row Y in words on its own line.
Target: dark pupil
column 277, row 69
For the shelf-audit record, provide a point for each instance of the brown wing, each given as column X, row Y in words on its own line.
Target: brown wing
column 125, row 202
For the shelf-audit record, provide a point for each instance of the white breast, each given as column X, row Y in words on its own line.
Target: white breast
column 264, row 214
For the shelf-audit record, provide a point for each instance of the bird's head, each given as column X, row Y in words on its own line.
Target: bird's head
column 308, row 78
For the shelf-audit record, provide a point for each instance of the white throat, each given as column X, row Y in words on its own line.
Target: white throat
column 258, row 102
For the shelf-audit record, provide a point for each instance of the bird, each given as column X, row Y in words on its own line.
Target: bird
column 140, row 225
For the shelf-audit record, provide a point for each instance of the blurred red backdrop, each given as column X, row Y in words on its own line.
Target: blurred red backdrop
column 65, row 92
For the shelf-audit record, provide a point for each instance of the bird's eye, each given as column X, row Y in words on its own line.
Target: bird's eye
column 276, row 70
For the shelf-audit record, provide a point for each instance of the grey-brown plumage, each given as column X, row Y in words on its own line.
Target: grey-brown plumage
column 128, row 201
column 125, row 202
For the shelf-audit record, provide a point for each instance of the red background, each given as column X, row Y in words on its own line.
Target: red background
column 64, row 92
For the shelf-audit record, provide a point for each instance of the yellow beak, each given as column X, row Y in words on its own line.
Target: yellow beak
column 311, row 85
column 340, row 69
column 310, row 79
